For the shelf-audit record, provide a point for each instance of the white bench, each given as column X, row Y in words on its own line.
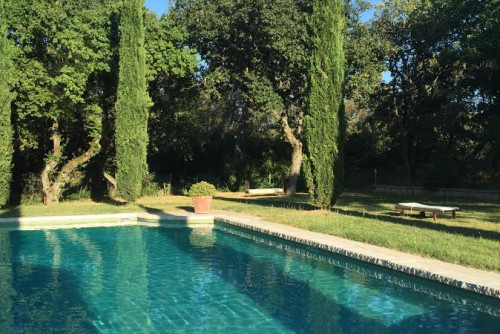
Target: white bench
column 265, row 192
column 422, row 208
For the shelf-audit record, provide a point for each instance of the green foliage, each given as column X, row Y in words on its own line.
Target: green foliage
column 256, row 58
column 60, row 48
column 32, row 191
column 166, row 54
column 436, row 121
column 324, row 120
column 202, row 189
column 6, row 96
column 133, row 102
column 155, row 188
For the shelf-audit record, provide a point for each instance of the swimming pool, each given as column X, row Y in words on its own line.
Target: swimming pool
column 138, row 279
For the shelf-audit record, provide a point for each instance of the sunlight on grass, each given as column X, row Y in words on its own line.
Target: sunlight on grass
column 473, row 239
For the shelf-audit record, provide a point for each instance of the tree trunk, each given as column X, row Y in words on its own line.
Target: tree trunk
column 53, row 181
column 114, row 184
column 291, row 188
column 51, row 194
column 296, row 163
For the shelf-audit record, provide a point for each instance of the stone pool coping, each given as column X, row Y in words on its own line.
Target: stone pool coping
column 106, row 220
column 474, row 280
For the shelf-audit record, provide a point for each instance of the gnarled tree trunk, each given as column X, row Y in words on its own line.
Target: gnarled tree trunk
column 296, row 162
column 114, row 184
column 54, row 180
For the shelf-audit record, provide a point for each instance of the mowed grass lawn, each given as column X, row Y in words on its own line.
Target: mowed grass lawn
column 472, row 239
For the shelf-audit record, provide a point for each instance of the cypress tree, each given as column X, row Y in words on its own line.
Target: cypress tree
column 133, row 102
column 324, row 126
column 5, row 112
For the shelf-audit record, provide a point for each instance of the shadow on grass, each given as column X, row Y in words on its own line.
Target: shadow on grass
column 387, row 217
column 297, row 203
column 394, row 218
column 109, row 201
column 11, row 211
column 149, row 209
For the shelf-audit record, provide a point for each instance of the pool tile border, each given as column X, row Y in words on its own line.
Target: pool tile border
column 479, row 281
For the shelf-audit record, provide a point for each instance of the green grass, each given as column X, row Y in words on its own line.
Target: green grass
column 473, row 239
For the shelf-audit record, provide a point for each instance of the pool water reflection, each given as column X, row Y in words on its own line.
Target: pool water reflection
column 157, row 280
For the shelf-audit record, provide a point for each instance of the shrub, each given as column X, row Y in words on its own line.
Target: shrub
column 202, row 189
column 324, row 122
column 132, row 103
column 32, row 190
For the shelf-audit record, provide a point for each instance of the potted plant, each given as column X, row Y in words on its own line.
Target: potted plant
column 202, row 193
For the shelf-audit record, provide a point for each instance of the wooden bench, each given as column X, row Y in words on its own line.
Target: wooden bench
column 422, row 209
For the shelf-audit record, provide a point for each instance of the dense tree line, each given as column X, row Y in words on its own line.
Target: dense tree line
column 230, row 84
column 5, row 110
column 435, row 122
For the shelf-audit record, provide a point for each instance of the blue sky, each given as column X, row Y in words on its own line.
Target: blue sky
column 369, row 13
column 161, row 6
column 157, row 6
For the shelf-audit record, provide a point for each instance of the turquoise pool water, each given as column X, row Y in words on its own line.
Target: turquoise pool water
column 165, row 280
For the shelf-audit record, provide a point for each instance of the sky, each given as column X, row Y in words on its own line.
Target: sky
column 157, row 6
column 161, row 6
column 369, row 13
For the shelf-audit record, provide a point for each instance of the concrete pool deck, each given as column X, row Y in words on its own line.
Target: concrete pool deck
column 475, row 280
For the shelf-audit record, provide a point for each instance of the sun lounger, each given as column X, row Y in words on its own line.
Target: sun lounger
column 422, row 208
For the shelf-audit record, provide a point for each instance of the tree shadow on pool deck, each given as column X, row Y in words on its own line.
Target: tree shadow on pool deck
column 388, row 217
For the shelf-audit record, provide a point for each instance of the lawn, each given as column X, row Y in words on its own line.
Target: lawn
column 473, row 239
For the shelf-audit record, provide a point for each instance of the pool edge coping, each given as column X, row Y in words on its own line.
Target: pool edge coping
column 470, row 279
column 103, row 220
column 479, row 281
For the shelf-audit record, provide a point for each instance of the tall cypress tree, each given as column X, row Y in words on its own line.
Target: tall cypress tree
column 5, row 113
column 133, row 102
column 324, row 126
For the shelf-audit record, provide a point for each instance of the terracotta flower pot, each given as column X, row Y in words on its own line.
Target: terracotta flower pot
column 201, row 204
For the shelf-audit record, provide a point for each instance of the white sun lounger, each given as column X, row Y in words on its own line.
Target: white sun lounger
column 422, row 208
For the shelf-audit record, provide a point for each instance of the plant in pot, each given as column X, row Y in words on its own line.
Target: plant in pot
column 202, row 193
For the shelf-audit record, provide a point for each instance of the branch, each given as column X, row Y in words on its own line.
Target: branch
column 198, row 84
column 70, row 166
column 110, row 179
column 113, row 182
column 289, row 135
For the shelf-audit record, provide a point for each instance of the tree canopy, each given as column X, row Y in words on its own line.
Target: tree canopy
column 230, row 85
